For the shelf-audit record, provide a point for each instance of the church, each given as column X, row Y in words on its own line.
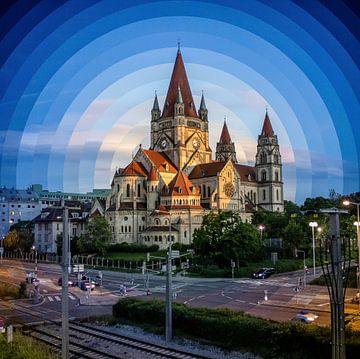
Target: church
column 167, row 189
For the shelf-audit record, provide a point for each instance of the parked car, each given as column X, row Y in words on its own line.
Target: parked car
column 30, row 277
column 86, row 285
column 305, row 316
column 264, row 273
column 70, row 282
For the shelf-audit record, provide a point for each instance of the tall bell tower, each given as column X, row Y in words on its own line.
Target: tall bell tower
column 180, row 131
column 268, row 168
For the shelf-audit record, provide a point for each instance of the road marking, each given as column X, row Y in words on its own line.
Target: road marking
column 322, row 304
column 240, row 301
column 57, row 298
column 51, row 299
column 71, row 297
column 44, row 291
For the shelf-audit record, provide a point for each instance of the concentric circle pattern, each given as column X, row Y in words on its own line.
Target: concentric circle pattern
column 78, row 78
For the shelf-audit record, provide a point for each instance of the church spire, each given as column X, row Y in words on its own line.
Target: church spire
column 267, row 129
column 203, row 112
column 225, row 138
column 155, row 112
column 179, row 80
column 225, row 149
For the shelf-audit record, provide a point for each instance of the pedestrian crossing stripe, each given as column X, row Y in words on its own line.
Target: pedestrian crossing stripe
column 51, row 299
column 57, row 298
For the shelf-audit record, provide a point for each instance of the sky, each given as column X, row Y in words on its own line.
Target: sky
column 78, row 78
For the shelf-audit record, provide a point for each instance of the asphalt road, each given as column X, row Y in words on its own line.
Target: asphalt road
column 272, row 298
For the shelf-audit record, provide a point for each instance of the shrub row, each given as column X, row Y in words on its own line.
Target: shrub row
column 236, row 330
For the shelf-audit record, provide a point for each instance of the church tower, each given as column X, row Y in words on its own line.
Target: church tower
column 180, row 131
column 225, row 149
column 268, row 168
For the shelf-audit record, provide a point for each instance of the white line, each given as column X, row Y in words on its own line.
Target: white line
column 57, row 298
column 51, row 299
column 71, row 297
column 240, row 301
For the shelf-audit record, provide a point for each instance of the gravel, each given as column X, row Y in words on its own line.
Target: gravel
column 179, row 343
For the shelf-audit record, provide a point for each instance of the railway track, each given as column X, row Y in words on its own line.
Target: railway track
column 88, row 342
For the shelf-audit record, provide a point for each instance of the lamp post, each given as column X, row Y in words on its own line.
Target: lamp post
column 313, row 225
column 304, row 258
column 357, row 224
column 261, row 229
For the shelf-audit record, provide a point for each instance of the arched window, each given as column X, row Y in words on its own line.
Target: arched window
column 157, row 221
column 118, row 187
column 138, row 190
column 277, row 194
column 263, row 157
column 255, row 198
column 129, row 228
column 204, row 191
column 209, row 192
column 263, row 175
column 155, row 238
column 128, row 190
column 122, row 229
column 264, row 195
column 160, row 238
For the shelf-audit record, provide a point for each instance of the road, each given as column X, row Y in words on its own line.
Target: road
column 272, row 298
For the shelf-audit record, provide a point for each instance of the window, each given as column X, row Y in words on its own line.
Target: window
column 263, row 175
column 276, row 158
column 277, row 194
column 157, row 221
column 204, row 191
column 122, row 229
column 138, row 190
column 263, row 157
column 129, row 228
column 209, row 191
column 184, row 234
column 125, row 229
column 264, row 195
column 125, row 218
column 118, row 188
column 128, row 190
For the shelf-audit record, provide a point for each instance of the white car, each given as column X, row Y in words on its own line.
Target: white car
column 305, row 317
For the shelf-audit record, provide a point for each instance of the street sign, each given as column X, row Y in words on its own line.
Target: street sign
column 78, row 268
column 175, row 254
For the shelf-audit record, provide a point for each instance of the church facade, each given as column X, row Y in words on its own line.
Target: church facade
column 167, row 189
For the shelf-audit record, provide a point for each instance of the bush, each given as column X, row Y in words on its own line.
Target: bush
column 132, row 248
column 236, row 330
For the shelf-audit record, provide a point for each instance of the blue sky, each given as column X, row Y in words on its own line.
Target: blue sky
column 77, row 82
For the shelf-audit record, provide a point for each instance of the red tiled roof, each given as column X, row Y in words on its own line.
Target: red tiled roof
column 159, row 159
column 134, row 169
column 207, row 169
column 180, row 186
column 160, row 211
column 267, row 129
column 245, row 171
column 153, row 175
column 179, row 79
column 225, row 138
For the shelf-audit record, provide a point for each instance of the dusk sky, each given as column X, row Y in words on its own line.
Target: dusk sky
column 78, row 78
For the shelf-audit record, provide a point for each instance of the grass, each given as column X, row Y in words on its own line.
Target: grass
column 24, row 348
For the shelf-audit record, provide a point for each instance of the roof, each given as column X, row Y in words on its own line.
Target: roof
column 180, row 185
column 160, row 229
column 179, row 80
column 134, row 169
column 267, row 129
column 207, row 169
column 225, row 138
column 153, row 175
column 160, row 160
column 161, row 210
column 245, row 171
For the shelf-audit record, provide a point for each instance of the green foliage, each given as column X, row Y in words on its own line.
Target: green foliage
column 20, row 237
column 317, row 203
column 236, row 330
column 132, row 248
column 273, row 222
column 97, row 236
column 223, row 237
column 8, row 291
column 22, row 290
column 24, row 347
column 294, row 235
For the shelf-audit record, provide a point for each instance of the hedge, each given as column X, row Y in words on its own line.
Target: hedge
column 238, row 331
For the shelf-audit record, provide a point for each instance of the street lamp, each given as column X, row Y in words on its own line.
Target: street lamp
column 261, row 229
column 35, row 282
column 313, row 225
column 357, row 224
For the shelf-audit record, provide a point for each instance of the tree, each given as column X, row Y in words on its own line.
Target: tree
column 97, row 236
column 11, row 240
column 223, row 237
column 294, row 235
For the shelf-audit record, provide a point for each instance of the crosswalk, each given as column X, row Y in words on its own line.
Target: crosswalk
column 57, row 298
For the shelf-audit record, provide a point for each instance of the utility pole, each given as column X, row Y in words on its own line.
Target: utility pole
column 168, row 324
column 65, row 289
column 335, row 264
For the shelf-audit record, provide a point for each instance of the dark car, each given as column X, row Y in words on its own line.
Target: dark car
column 264, row 273
column 70, row 282
column 87, row 285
